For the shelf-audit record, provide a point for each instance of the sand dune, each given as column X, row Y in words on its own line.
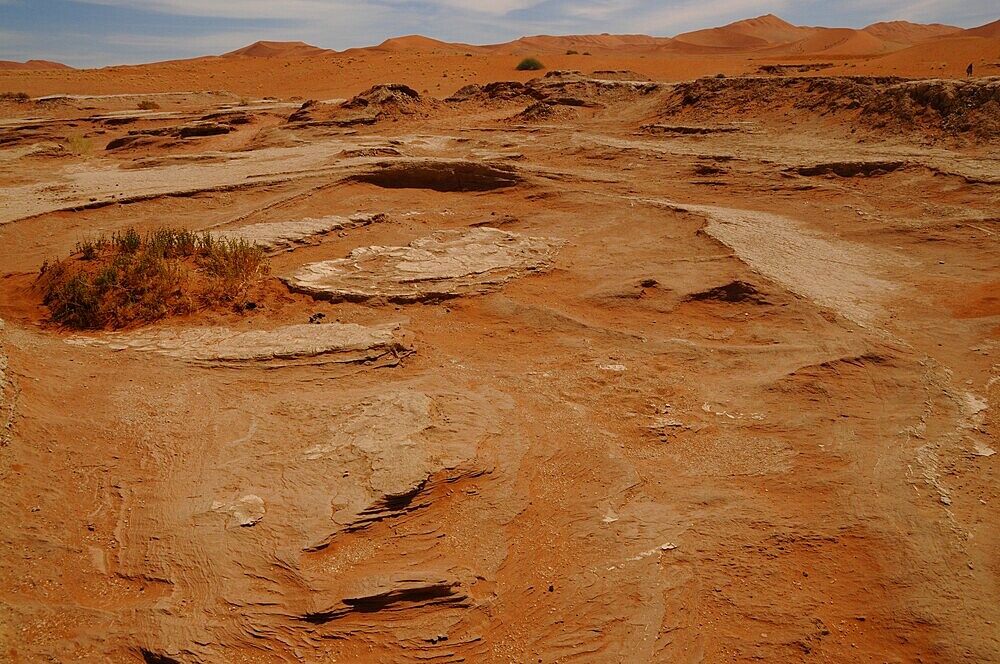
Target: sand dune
column 988, row 30
column 750, row 33
column 772, row 34
column 904, row 32
column 604, row 43
column 440, row 68
column 417, row 44
column 945, row 57
column 32, row 64
column 273, row 49
column 841, row 41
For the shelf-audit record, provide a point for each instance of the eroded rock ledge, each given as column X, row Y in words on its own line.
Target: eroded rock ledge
column 331, row 343
column 278, row 235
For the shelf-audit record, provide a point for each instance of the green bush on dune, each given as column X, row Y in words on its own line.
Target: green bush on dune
column 530, row 64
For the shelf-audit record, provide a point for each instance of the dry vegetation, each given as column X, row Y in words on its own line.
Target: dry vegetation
column 131, row 278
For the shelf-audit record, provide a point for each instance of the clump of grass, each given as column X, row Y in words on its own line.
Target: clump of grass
column 79, row 145
column 148, row 105
column 572, row 52
column 19, row 97
column 130, row 278
column 530, row 64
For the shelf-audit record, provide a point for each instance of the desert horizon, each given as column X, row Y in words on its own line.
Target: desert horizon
column 591, row 347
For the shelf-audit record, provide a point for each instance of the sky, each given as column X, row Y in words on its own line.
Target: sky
column 94, row 33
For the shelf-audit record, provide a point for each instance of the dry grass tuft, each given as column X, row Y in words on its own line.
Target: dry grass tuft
column 79, row 145
column 131, row 278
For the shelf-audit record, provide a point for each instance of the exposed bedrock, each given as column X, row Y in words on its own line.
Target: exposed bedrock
column 442, row 265
column 330, row 343
column 278, row 235
column 440, row 175
column 246, row 548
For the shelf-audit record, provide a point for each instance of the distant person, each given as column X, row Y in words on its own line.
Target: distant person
column 968, row 70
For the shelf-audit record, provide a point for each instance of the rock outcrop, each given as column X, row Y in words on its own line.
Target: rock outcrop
column 330, row 343
column 278, row 235
column 440, row 175
column 443, row 265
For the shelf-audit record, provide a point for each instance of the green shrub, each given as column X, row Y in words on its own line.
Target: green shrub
column 130, row 278
column 530, row 64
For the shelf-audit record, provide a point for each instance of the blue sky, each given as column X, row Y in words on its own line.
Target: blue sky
column 103, row 32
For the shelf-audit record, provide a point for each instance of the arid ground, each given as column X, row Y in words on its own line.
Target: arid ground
column 618, row 361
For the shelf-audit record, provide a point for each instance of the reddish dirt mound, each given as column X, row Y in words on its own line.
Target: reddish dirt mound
column 941, row 107
column 380, row 102
column 392, row 94
column 556, row 88
column 493, row 92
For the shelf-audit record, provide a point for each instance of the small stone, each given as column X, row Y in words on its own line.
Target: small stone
column 248, row 510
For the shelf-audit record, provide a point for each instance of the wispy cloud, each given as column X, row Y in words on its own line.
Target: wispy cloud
column 92, row 32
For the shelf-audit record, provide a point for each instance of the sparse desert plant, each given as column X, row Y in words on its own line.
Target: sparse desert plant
column 586, row 52
column 19, row 97
column 79, row 145
column 148, row 105
column 572, row 52
column 720, row 75
column 530, row 64
column 87, row 250
column 132, row 278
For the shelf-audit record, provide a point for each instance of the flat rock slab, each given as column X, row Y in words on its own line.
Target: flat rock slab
column 331, row 343
column 443, row 265
column 279, row 235
column 833, row 273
